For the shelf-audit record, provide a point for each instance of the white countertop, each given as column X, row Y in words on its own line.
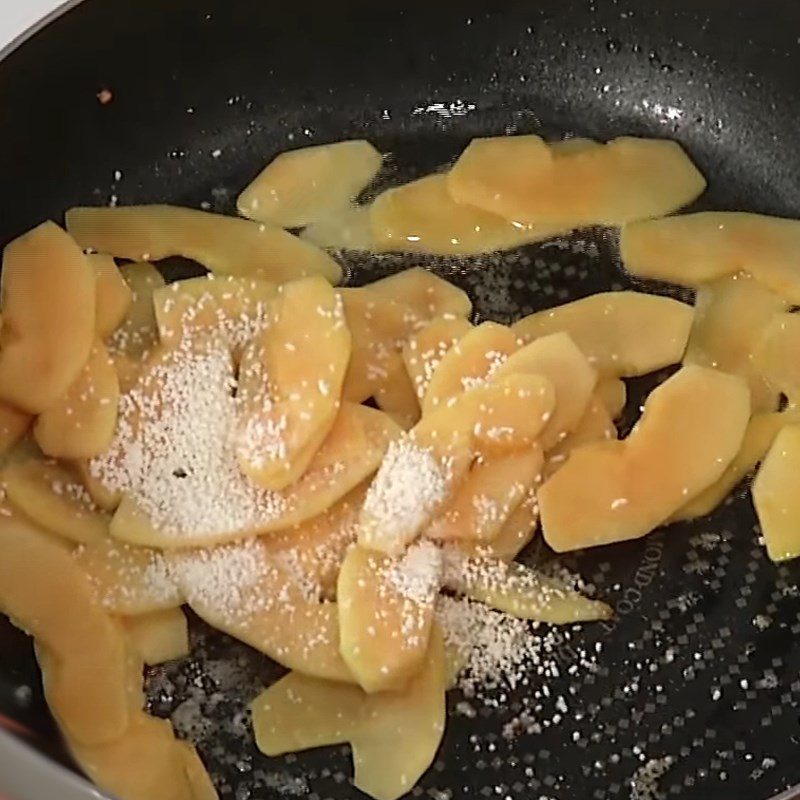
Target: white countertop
column 16, row 16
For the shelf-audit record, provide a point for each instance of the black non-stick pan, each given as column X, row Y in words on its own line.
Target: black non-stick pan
column 698, row 679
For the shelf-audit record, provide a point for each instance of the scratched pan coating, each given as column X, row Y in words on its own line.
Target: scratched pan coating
column 699, row 672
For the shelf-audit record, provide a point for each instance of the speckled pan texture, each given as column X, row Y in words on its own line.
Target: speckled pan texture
column 693, row 690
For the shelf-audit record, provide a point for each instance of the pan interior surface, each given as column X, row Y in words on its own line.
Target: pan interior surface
column 692, row 690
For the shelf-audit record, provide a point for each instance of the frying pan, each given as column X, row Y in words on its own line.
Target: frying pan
column 699, row 672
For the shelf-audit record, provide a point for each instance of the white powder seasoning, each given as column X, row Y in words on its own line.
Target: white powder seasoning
column 409, row 485
column 492, row 644
column 418, row 574
column 644, row 783
column 501, row 653
column 205, row 311
column 464, row 574
column 237, row 582
column 174, row 454
column 75, row 492
column 145, row 578
column 494, row 360
column 224, row 579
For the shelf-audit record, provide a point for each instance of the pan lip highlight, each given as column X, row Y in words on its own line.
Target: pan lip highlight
column 8, row 48
column 36, row 772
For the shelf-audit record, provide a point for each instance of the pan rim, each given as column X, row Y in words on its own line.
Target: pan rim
column 29, row 771
column 8, row 48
